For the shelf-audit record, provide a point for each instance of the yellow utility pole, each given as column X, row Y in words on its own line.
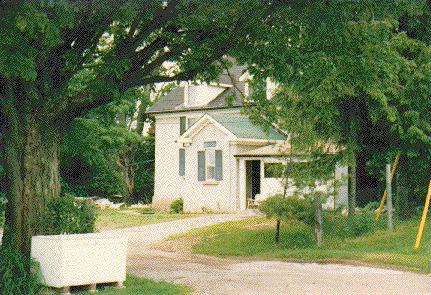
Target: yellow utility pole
column 385, row 194
column 424, row 217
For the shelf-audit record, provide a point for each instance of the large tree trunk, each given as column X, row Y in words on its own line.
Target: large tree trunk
column 127, row 166
column 32, row 169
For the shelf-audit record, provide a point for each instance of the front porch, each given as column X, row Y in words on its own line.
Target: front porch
column 255, row 183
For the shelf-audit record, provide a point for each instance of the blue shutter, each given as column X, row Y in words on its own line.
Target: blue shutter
column 182, row 162
column 218, row 165
column 201, row 166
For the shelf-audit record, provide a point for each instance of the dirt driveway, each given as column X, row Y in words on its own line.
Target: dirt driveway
column 210, row 275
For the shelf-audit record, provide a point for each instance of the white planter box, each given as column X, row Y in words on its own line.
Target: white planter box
column 84, row 259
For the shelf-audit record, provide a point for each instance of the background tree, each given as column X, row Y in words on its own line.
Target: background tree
column 58, row 60
column 352, row 78
column 107, row 153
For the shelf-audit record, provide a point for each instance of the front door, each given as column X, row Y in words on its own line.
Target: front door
column 252, row 179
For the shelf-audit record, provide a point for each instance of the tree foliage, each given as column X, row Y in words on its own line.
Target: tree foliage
column 288, row 209
column 105, row 153
column 61, row 59
column 358, row 78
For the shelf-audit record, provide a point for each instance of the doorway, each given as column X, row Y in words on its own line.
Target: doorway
column 252, row 180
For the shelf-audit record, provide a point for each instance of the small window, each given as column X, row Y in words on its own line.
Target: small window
column 208, row 144
column 182, row 162
column 273, row 170
column 183, row 125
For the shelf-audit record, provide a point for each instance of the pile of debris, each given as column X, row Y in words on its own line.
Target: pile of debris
column 105, row 203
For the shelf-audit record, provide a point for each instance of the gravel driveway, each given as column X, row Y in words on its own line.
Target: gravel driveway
column 211, row 275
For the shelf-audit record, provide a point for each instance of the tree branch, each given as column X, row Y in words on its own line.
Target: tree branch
column 78, row 110
column 161, row 16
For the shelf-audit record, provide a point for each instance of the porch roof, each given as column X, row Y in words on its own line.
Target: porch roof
column 283, row 149
column 272, row 150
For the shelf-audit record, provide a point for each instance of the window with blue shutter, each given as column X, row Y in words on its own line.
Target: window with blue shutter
column 201, row 166
column 218, row 165
column 182, row 168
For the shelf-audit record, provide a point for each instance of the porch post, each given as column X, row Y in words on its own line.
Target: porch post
column 242, row 184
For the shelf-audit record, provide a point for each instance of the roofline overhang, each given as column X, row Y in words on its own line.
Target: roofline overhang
column 258, row 156
column 278, row 156
column 254, row 141
column 194, row 109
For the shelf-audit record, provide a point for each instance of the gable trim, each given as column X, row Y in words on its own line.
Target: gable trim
column 204, row 121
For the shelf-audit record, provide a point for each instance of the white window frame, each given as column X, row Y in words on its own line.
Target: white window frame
column 207, row 162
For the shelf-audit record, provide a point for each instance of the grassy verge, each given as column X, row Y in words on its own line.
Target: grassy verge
column 255, row 238
column 115, row 218
column 141, row 286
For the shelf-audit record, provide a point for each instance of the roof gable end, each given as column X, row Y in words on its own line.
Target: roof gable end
column 204, row 121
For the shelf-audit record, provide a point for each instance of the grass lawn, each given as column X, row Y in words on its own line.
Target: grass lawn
column 115, row 218
column 141, row 286
column 255, row 238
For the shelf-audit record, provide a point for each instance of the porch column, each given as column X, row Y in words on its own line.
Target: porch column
column 242, row 185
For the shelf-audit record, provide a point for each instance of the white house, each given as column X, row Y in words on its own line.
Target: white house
column 210, row 154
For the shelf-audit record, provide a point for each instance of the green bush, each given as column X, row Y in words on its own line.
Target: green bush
column 14, row 275
column 349, row 227
column 361, row 224
column 66, row 215
column 177, row 205
column 291, row 208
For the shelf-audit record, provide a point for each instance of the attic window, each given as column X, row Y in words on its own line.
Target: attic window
column 208, row 144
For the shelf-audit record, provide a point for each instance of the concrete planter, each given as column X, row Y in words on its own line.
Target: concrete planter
column 84, row 259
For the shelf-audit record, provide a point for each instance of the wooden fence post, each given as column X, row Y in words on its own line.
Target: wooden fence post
column 389, row 197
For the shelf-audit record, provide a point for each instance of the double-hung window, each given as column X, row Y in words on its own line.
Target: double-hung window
column 210, row 164
column 182, row 162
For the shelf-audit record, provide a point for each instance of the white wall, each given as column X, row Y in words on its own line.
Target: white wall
column 342, row 186
column 168, row 184
column 215, row 196
column 200, row 95
column 224, row 196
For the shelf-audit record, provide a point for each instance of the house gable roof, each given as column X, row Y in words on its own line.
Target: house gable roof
column 235, row 127
column 242, row 127
column 199, row 125
column 174, row 100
